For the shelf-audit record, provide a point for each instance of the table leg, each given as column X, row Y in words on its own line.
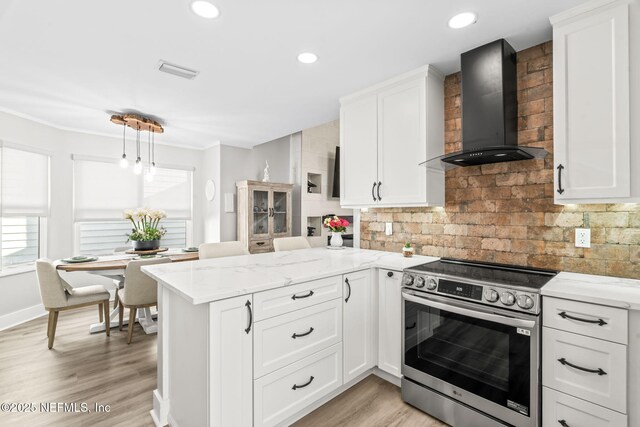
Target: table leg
column 145, row 318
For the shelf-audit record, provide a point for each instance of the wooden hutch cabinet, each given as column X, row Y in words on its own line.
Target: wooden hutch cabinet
column 264, row 213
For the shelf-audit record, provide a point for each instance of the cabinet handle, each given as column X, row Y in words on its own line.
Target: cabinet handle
column 408, row 328
column 295, row 297
column 560, row 190
column 373, row 189
column 296, row 386
column 349, row 287
column 598, row 322
column 598, row 371
column 248, row 305
column 563, row 423
column 390, row 274
column 294, row 336
column 379, row 185
column 260, row 243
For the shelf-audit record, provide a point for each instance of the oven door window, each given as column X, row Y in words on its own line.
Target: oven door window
column 485, row 358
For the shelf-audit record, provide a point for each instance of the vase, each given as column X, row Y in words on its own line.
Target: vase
column 146, row 245
column 336, row 239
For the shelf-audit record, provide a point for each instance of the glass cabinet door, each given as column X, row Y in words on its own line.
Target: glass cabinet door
column 260, row 208
column 280, row 212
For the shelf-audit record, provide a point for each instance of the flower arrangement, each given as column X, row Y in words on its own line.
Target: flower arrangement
column 145, row 224
column 336, row 224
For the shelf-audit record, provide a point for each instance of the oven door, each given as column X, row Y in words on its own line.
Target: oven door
column 484, row 357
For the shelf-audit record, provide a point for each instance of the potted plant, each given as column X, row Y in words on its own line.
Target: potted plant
column 337, row 226
column 407, row 250
column 146, row 232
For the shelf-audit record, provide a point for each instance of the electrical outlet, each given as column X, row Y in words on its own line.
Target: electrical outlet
column 583, row 237
column 388, row 228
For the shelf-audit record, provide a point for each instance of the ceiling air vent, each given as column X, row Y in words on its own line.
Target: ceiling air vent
column 177, row 70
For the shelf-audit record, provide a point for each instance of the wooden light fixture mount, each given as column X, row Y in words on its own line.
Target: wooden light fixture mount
column 137, row 122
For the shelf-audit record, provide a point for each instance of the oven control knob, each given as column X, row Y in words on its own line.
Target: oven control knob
column 419, row 282
column 507, row 298
column 407, row 280
column 432, row 284
column 491, row 295
column 525, row 301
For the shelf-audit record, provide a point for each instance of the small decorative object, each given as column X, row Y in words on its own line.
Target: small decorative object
column 407, row 250
column 337, row 226
column 310, row 185
column 146, row 232
column 210, row 190
column 266, row 172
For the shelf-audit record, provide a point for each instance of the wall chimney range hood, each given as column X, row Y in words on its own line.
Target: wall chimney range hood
column 489, row 110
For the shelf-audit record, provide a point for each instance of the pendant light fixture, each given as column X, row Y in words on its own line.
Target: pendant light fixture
column 153, row 153
column 149, row 176
column 124, row 163
column 137, row 169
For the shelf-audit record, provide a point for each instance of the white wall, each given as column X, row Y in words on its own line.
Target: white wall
column 20, row 291
column 211, row 209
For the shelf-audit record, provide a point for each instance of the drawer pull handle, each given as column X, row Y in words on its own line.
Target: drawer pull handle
column 563, row 423
column 560, row 190
column 296, row 386
column 294, row 336
column 598, row 371
column 295, row 297
column 379, row 185
column 248, row 305
column 349, row 286
column 260, row 243
column 373, row 189
column 408, row 328
column 390, row 274
column 564, row 315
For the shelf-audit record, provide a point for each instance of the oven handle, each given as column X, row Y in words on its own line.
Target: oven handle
column 509, row 321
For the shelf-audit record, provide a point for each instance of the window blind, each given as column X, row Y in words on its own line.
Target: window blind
column 170, row 191
column 24, row 182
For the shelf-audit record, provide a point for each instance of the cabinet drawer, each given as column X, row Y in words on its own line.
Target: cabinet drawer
column 283, row 393
column 605, row 386
column 260, row 246
column 283, row 300
column 557, row 407
column 593, row 320
column 281, row 340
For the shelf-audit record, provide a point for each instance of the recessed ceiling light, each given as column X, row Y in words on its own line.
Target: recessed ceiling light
column 307, row 57
column 205, row 9
column 462, row 20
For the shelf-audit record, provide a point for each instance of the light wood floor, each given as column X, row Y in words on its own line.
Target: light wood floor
column 92, row 368
column 373, row 402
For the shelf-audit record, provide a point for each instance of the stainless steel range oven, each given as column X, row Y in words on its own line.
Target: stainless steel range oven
column 471, row 342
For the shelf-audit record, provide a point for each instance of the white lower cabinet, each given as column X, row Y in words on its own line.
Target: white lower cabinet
column 357, row 311
column 281, row 394
column 390, row 322
column 561, row 410
column 231, row 365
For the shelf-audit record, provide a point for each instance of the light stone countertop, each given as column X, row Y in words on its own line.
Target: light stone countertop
column 605, row 290
column 210, row 280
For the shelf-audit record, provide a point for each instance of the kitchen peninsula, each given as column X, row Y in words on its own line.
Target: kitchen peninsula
column 296, row 329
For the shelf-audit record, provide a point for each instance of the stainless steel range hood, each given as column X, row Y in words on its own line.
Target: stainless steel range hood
column 489, row 110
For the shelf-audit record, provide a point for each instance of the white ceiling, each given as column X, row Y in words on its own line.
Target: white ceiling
column 71, row 63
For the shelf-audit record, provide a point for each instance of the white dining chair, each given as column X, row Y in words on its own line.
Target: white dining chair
column 140, row 291
column 221, row 249
column 118, row 280
column 290, row 243
column 57, row 295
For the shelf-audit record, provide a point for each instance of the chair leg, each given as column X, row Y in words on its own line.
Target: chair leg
column 120, row 315
column 100, row 311
column 132, row 321
column 50, row 321
column 115, row 300
column 107, row 320
column 52, row 333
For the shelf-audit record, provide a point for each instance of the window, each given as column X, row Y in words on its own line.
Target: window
column 24, row 203
column 102, row 237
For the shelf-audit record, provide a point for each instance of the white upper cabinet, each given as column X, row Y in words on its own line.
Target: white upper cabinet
column 596, row 66
column 386, row 131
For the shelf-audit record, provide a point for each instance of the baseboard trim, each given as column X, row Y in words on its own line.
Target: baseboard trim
column 387, row 377
column 160, row 410
column 18, row 317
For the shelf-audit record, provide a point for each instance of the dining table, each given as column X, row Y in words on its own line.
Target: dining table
column 113, row 267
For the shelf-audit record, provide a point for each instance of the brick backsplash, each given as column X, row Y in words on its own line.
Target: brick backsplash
column 504, row 212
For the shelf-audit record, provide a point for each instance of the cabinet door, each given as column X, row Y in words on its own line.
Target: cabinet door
column 359, row 154
column 281, row 213
column 591, row 106
column 357, row 324
column 259, row 205
column 389, row 322
column 231, row 366
column 402, row 143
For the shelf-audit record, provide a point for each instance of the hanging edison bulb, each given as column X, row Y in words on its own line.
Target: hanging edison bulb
column 124, row 163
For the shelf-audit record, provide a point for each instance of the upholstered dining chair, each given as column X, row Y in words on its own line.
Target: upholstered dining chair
column 290, row 243
column 222, row 249
column 57, row 295
column 140, row 291
column 118, row 280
